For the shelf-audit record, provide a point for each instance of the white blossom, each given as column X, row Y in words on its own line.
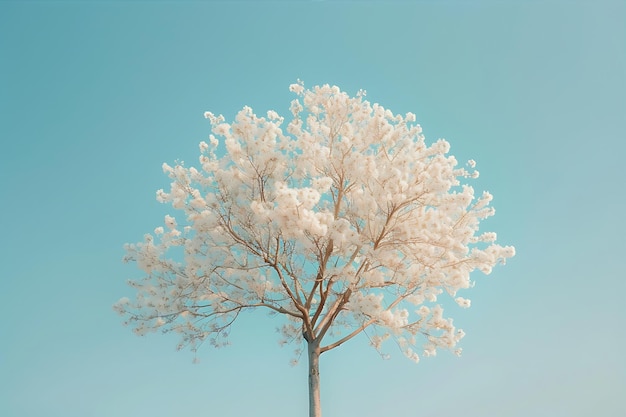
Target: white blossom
column 463, row 302
column 170, row 222
column 345, row 220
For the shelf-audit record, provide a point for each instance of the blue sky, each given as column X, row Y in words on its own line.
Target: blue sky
column 96, row 95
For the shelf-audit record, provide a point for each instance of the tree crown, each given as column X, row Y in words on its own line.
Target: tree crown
column 343, row 221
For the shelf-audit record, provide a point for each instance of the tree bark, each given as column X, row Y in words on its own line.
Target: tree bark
column 315, row 406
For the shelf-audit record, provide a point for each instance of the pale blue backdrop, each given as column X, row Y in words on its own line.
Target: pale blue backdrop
column 95, row 95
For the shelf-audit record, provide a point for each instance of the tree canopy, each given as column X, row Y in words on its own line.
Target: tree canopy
column 342, row 220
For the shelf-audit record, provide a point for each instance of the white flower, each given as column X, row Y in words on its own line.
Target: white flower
column 463, row 302
column 170, row 222
column 297, row 88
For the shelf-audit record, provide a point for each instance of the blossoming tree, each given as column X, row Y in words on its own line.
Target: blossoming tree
column 343, row 222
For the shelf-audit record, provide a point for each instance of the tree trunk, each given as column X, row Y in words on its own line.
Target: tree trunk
column 315, row 406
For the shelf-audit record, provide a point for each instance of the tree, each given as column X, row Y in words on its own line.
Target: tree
column 347, row 222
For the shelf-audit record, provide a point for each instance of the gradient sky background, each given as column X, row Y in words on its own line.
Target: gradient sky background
column 95, row 96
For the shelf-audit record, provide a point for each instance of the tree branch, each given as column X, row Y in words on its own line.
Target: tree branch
column 348, row 337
